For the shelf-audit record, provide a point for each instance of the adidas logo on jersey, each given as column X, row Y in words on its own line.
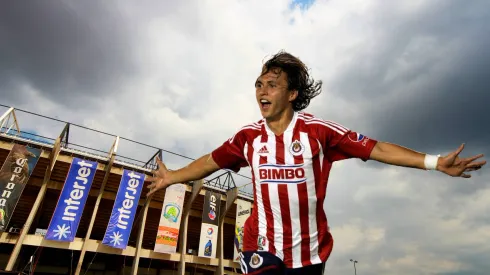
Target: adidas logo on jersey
column 263, row 150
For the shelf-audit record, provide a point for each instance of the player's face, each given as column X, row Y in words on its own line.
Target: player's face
column 273, row 96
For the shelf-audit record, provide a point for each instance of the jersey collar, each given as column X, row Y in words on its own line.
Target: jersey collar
column 290, row 126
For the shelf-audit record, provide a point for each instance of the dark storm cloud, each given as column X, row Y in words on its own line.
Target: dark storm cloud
column 63, row 49
column 439, row 95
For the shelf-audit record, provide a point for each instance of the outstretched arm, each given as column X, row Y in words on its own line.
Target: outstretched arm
column 198, row 169
column 451, row 164
column 342, row 143
column 227, row 156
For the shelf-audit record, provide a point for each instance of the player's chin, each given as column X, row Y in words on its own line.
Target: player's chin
column 265, row 114
column 262, row 111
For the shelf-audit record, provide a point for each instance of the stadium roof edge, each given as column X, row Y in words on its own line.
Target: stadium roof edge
column 5, row 132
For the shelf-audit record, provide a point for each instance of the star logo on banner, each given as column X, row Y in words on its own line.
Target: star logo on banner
column 116, row 238
column 62, row 231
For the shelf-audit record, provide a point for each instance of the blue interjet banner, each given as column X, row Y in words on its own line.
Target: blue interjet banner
column 66, row 217
column 124, row 210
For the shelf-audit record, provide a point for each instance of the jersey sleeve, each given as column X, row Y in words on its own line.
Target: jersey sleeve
column 341, row 143
column 230, row 154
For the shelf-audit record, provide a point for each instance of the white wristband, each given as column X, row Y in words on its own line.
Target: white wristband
column 430, row 162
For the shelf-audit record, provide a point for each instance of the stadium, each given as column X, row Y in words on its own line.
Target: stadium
column 60, row 217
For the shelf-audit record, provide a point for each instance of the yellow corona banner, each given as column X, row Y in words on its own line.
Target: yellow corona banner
column 168, row 228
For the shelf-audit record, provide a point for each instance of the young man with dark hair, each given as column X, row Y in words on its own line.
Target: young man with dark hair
column 290, row 153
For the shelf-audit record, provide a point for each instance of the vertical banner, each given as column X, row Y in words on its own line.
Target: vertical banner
column 168, row 228
column 124, row 210
column 14, row 174
column 69, row 209
column 243, row 209
column 209, row 228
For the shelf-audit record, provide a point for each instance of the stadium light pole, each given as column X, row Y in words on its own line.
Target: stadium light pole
column 355, row 262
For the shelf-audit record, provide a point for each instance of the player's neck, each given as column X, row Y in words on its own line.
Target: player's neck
column 280, row 123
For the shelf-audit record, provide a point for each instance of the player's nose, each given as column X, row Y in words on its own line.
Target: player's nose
column 263, row 91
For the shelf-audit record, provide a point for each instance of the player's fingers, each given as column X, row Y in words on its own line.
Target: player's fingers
column 150, row 186
column 151, row 179
column 473, row 158
column 476, row 164
column 151, row 192
column 466, row 176
column 456, row 153
column 161, row 164
column 153, row 185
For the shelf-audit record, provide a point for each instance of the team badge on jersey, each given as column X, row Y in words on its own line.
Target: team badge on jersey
column 296, row 148
column 256, row 261
column 260, row 263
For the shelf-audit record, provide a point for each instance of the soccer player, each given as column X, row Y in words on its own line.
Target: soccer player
column 290, row 153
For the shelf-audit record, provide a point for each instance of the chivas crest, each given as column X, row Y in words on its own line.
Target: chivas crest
column 297, row 148
column 256, row 260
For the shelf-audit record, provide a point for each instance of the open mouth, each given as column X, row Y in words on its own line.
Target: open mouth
column 265, row 104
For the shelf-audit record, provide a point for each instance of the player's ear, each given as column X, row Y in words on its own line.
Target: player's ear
column 293, row 95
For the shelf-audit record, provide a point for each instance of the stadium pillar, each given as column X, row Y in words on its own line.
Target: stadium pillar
column 196, row 188
column 231, row 196
column 40, row 196
column 139, row 240
column 112, row 156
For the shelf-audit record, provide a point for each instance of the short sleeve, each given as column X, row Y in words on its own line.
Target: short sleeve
column 341, row 143
column 230, row 154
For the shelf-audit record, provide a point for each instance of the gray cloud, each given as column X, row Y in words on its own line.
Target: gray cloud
column 420, row 220
column 423, row 78
column 401, row 73
column 70, row 53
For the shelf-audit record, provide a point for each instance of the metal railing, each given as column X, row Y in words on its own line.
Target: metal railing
column 5, row 122
column 72, row 144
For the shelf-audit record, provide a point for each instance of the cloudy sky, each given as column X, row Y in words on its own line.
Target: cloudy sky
column 179, row 75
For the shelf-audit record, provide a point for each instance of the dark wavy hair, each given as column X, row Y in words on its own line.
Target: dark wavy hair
column 298, row 78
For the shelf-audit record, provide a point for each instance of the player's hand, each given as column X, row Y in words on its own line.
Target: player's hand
column 455, row 166
column 160, row 179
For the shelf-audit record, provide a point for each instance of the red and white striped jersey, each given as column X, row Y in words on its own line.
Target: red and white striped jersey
column 290, row 174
